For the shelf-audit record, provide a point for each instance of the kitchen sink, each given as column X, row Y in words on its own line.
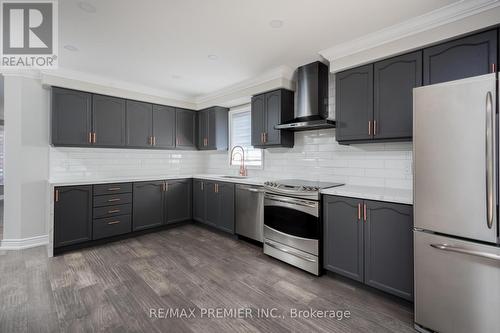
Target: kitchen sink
column 235, row 177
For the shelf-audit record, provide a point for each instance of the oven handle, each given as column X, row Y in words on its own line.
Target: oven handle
column 311, row 208
column 281, row 190
column 282, row 249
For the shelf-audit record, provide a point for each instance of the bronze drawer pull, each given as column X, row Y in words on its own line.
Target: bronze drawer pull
column 113, row 222
column 115, row 199
column 113, row 211
column 114, row 189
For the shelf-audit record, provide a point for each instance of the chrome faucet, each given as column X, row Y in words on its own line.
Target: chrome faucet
column 243, row 169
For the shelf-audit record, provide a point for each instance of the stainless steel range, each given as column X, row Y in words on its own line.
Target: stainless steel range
column 292, row 222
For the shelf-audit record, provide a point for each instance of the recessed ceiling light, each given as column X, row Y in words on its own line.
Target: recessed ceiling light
column 212, row 57
column 276, row 24
column 71, row 48
column 87, row 7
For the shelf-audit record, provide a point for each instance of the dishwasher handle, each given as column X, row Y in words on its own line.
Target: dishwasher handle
column 251, row 189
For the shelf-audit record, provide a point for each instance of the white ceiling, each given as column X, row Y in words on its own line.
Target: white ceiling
column 165, row 44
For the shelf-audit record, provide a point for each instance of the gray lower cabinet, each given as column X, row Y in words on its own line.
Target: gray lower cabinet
column 148, row 205
column 388, row 252
column 343, row 232
column 178, row 202
column 185, row 125
column 72, row 215
column 371, row 242
column 108, row 119
column 213, row 204
column 71, row 117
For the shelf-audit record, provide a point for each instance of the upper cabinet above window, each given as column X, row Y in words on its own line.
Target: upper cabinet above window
column 213, row 128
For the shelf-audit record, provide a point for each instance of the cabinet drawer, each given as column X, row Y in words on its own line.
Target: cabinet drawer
column 108, row 211
column 112, row 188
column 112, row 199
column 111, row 226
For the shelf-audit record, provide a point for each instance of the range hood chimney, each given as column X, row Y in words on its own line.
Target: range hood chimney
column 311, row 112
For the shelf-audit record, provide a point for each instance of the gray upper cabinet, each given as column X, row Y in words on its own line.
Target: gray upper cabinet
column 185, row 129
column 343, row 236
column 354, row 104
column 71, row 117
column 108, row 118
column 268, row 110
column 394, row 80
column 461, row 58
column 72, row 215
column 148, row 205
column 139, row 124
column 178, row 200
column 163, row 127
column 389, row 248
column 213, row 128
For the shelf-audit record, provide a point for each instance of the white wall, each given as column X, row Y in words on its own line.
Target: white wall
column 26, row 157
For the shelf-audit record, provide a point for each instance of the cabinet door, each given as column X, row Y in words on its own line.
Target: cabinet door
column 139, row 124
column 164, row 126
column 461, row 58
column 109, row 114
column 226, row 206
column 148, row 205
column 343, row 236
column 212, row 203
column 394, row 82
column 199, row 212
column 202, row 129
column 185, row 129
column 272, row 117
column 71, row 117
column 211, row 129
column 389, row 248
column 72, row 215
column 178, row 200
column 258, row 115
column 354, row 104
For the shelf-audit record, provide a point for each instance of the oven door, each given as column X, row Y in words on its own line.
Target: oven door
column 294, row 217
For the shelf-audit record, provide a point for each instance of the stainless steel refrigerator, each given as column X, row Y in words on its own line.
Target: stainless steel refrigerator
column 456, row 240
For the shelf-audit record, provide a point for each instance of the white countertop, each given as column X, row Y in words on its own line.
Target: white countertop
column 372, row 193
column 88, row 181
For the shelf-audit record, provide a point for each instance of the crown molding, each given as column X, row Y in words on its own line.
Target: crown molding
column 439, row 17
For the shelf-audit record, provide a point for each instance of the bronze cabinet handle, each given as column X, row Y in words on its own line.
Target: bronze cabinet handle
column 90, row 137
column 93, row 137
column 113, row 222
column 369, row 127
column 364, row 212
column 57, row 196
column 374, row 128
column 202, row 186
column 359, row 211
column 154, row 140
column 113, row 211
column 114, row 199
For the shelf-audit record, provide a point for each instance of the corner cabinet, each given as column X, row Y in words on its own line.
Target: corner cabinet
column 185, row 127
column 371, row 242
column 461, row 58
column 268, row 110
column 213, row 128
column 72, row 215
column 213, row 204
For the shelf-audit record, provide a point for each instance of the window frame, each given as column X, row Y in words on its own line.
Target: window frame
column 232, row 112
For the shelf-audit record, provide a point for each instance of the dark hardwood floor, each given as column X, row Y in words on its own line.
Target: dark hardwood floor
column 112, row 288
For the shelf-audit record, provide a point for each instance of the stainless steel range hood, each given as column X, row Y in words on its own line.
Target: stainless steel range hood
column 312, row 100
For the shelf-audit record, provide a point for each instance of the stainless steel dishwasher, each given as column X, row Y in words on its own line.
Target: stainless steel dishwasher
column 250, row 211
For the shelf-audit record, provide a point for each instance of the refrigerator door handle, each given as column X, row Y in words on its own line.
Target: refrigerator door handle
column 481, row 254
column 490, row 159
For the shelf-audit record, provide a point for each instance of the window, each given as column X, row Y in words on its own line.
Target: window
column 240, row 134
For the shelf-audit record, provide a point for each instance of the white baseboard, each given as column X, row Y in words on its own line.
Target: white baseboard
column 24, row 243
